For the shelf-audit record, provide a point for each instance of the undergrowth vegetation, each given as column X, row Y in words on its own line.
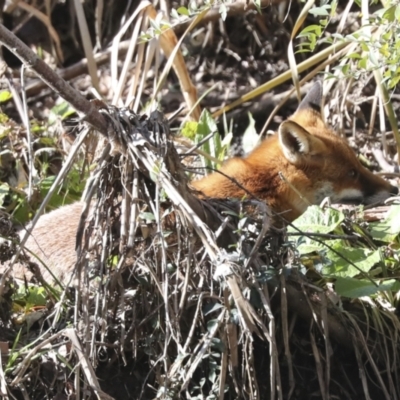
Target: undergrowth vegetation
column 173, row 296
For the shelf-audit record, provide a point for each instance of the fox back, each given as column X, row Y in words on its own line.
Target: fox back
column 302, row 164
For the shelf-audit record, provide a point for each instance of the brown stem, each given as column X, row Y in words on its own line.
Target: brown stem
column 44, row 72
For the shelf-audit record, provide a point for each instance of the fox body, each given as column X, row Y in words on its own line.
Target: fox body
column 302, row 164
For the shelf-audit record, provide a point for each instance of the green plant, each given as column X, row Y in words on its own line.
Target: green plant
column 361, row 260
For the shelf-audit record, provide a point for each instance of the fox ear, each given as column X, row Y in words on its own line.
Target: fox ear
column 297, row 144
column 313, row 99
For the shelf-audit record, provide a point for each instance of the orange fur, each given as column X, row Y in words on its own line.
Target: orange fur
column 300, row 165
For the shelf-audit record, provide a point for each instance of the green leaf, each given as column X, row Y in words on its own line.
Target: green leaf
column 174, row 14
column 324, row 22
column 62, row 110
column 189, row 129
column 397, row 12
column 155, row 25
column 389, row 13
column 312, row 28
column 257, row 3
column 5, row 95
column 353, row 55
column 364, row 259
column 212, row 325
column 362, row 64
column 345, row 69
column 32, row 295
column 334, row 5
column 306, row 245
column 148, row 216
column 316, row 220
column 365, row 47
column 320, row 11
column 211, row 307
column 144, row 37
column 389, row 229
column 372, row 59
column 338, row 36
column 206, row 126
column 226, row 142
column 3, row 118
column 354, row 288
column 183, row 11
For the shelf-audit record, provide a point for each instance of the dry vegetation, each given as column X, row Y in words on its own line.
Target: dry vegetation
column 178, row 297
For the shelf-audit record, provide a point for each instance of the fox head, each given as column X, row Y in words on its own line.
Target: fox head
column 304, row 163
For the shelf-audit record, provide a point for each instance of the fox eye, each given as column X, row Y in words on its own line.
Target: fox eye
column 353, row 173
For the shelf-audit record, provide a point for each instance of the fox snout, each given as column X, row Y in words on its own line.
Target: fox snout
column 394, row 191
column 373, row 190
column 380, row 196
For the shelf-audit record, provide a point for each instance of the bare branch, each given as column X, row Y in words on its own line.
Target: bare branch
column 44, row 72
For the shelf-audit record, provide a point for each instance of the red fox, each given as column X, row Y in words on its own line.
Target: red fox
column 302, row 164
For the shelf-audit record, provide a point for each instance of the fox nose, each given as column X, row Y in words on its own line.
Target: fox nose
column 394, row 190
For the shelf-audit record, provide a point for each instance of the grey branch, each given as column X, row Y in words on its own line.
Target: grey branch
column 44, row 72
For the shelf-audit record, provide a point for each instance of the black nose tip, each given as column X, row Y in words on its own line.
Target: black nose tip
column 394, row 190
